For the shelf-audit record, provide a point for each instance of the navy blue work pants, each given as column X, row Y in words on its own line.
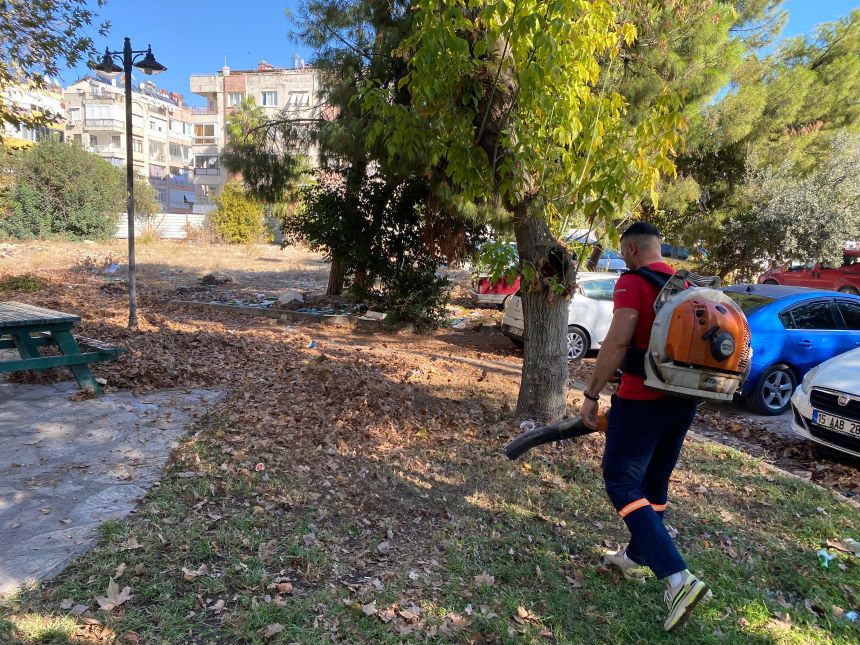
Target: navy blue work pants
column 643, row 441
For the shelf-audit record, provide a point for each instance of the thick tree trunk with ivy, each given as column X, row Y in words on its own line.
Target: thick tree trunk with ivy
column 543, row 389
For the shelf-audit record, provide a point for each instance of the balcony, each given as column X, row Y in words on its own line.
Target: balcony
column 115, row 125
column 180, row 159
column 181, row 181
column 205, row 141
column 209, row 109
column 154, row 156
column 158, row 182
column 206, row 171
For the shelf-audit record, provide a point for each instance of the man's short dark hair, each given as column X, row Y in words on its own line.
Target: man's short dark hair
column 642, row 228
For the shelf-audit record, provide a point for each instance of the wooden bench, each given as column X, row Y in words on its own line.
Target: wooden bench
column 27, row 328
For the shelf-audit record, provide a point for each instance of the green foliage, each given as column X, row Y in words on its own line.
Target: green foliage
column 497, row 260
column 523, row 81
column 782, row 112
column 781, row 214
column 26, row 283
column 377, row 236
column 63, row 190
column 238, row 217
column 40, row 37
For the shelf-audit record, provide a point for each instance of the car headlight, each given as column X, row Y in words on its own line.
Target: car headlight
column 804, row 385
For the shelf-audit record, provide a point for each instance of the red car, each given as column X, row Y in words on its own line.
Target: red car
column 818, row 275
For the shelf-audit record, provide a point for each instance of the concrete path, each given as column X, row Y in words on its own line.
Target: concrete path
column 67, row 466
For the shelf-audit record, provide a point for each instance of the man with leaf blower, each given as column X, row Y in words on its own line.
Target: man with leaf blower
column 677, row 339
column 645, row 430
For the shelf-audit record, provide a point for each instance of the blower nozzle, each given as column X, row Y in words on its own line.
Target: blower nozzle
column 567, row 429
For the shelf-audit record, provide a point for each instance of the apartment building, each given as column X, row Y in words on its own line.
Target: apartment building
column 162, row 131
column 48, row 101
column 291, row 90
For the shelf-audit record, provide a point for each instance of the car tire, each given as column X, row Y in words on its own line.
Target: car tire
column 772, row 393
column 770, row 282
column 850, row 290
column 578, row 343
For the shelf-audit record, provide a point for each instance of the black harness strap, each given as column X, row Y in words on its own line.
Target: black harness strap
column 634, row 358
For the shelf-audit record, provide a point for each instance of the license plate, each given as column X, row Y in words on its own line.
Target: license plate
column 837, row 424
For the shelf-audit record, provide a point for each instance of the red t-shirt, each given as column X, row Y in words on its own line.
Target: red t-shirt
column 635, row 292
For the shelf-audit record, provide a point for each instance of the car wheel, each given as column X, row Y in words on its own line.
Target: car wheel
column 772, row 393
column 851, row 290
column 770, row 282
column 577, row 343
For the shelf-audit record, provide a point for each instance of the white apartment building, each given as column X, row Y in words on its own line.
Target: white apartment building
column 162, row 131
column 294, row 91
column 48, row 101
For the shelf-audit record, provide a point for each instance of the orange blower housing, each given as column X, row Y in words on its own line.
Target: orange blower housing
column 708, row 335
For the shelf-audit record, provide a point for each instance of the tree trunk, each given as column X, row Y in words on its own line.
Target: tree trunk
column 596, row 251
column 335, row 278
column 543, row 388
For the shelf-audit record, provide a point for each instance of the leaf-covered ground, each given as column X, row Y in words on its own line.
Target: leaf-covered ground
column 357, row 492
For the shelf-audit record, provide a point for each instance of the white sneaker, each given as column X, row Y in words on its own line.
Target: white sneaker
column 629, row 569
column 682, row 599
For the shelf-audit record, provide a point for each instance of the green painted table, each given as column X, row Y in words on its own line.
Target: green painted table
column 27, row 328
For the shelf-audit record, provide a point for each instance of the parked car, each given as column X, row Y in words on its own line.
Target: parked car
column 588, row 318
column 611, row 261
column 818, row 275
column 826, row 406
column 793, row 330
column 485, row 290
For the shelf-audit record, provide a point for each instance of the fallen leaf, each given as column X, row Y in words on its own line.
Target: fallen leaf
column 370, row 609
column 387, row 616
column 120, row 570
column 130, row 544
column 46, row 510
column 114, row 597
column 218, row 607
column 522, row 612
column 130, row 638
column 78, row 610
column 270, row 630
column 67, row 603
column 485, row 579
column 405, row 614
column 284, row 587
column 846, row 546
column 192, row 574
column 309, row 539
column 384, row 547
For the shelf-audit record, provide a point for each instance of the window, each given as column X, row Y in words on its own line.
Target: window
column 137, row 145
column 298, row 99
column 598, row 289
column 180, row 127
column 204, row 133
column 161, row 196
column 815, row 315
column 179, row 152
column 94, row 141
column 234, row 99
column 74, row 115
column 116, row 141
column 157, row 125
column 270, row 99
column 136, row 121
column 850, row 313
column 749, row 302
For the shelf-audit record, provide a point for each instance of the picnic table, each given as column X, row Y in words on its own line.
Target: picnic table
column 27, row 328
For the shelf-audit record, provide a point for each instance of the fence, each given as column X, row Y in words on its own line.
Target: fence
column 170, row 226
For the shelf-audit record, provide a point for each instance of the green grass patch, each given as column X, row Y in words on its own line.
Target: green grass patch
column 26, row 283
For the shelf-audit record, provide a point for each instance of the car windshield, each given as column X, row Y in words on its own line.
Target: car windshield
column 598, row 289
column 611, row 255
column 749, row 302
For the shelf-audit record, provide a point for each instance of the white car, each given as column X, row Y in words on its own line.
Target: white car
column 588, row 317
column 826, row 405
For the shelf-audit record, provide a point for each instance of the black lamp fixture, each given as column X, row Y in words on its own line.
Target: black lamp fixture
column 149, row 66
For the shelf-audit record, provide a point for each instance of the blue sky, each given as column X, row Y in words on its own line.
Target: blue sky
column 195, row 37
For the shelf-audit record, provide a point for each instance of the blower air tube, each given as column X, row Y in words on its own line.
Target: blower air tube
column 567, row 429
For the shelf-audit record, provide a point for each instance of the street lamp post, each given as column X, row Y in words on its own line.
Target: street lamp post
column 148, row 65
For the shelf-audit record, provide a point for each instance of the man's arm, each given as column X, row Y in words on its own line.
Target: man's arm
column 609, row 359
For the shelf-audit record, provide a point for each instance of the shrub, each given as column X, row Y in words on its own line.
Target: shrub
column 63, row 190
column 237, row 218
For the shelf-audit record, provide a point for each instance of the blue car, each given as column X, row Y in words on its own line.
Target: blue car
column 793, row 330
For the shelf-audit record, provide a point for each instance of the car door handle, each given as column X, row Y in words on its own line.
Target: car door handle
column 805, row 343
